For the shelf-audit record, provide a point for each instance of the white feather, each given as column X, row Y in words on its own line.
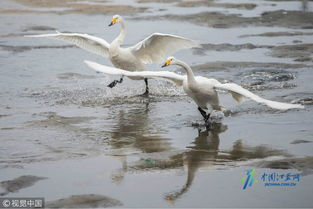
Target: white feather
column 158, row 46
column 153, row 49
column 90, row 43
column 173, row 77
column 202, row 91
column 232, row 87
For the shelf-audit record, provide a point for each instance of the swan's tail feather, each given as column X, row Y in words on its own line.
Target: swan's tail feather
column 281, row 105
column 238, row 92
column 238, row 97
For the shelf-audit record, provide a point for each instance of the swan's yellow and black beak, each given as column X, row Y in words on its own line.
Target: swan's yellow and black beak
column 167, row 63
column 113, row 21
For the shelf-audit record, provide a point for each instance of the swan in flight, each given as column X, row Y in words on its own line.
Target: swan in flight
column 201, row 89
column 153, row 49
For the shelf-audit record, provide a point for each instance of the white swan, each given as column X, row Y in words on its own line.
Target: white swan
column 201, row 89
column 153, row 49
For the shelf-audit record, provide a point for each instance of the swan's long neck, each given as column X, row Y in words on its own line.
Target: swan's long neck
column 190, row 75
column 120, row 38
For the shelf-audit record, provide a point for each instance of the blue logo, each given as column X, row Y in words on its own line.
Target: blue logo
column 270, row 179
column 249, row 180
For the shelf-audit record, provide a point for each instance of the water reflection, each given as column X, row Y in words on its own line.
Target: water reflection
column 243, row 152
column 202, row 153
column 304, row 5
column 205, row 153
column 117, row 176
column 135, row 129
column 135, row 132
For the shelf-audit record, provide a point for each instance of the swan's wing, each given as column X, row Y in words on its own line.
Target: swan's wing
column 238, row 91
column 90, row 43
column 175, row 78
column 157, row 47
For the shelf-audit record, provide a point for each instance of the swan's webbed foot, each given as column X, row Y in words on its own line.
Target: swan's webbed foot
column 111, row 85
column 146, row 94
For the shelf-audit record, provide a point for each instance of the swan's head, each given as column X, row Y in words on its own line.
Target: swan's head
column 169, row 61
column 115, row 19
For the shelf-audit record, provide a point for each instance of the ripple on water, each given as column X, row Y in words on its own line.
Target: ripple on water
column 266, row 79
column 104, row 96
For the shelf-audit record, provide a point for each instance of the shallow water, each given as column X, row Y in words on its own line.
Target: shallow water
column 62, row 129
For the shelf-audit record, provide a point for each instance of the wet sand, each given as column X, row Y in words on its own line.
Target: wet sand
column 62, row 128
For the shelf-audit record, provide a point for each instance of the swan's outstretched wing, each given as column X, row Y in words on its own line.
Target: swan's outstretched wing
column 238, row 90
column 157, row 47
column 90, row 43
column 175, row 78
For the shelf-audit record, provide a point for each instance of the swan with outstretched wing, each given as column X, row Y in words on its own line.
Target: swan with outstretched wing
column 201, row 89
column 153, row 49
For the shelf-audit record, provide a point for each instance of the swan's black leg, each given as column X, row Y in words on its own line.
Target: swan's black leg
column 111, row 85
column 205, row 116
column 147, row 88
column 203, row 113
